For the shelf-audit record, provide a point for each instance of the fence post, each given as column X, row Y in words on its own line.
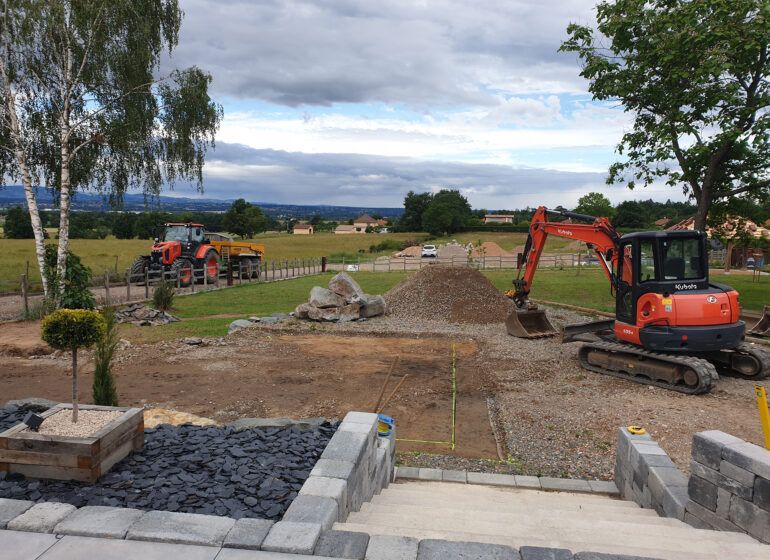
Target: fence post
column 106, row 287
column 229, row 272
column 146, row 283
column 25, row 295
column 272, row 265
column 240, row 271
column 128, row 285
column 205, row 276
column 116, row 265
column 192, row 280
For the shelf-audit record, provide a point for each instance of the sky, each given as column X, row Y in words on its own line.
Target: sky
column 357, row 102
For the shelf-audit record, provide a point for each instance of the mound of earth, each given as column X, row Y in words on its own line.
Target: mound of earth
column 453, row 294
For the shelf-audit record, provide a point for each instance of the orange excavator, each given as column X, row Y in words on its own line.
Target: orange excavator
column 673, row 328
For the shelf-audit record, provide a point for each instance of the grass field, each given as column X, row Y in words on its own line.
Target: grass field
column 208, row 314
column 118, row 254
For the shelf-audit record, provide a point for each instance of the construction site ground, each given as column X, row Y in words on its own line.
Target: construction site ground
column 551, row 417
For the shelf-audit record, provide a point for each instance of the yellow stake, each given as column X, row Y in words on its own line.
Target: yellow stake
column 764, row 413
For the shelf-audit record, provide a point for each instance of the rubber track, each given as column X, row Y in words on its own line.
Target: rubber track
column 707, row 373
column 761, row 354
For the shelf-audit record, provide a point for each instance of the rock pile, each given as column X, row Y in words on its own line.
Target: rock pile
column 343, row 300
column 143, row 316
column 450, row 294
column 196, row 469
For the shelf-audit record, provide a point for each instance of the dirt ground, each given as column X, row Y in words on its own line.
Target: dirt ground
column 551, row 417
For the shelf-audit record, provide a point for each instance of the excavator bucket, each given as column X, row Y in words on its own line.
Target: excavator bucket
column 529, row 323
column 762, row 328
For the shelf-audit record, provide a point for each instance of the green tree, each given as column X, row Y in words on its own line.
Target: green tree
column 595, row 204
column 17, row 224
column 631, row 214
column 414, row 207
column 76, row 292
column 123, row 225
column 695, row 76
column 103, row 387
column 245, row 219
column 84, row 105
column 447, row 213
column 72, row 329
column 147, row 223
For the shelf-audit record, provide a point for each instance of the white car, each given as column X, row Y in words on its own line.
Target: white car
column 429, row 251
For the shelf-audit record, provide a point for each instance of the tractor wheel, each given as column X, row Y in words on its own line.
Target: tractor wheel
column 138, row 269
column 246, row 268
column 210, row 265
column 182, row 269
column 256, row 268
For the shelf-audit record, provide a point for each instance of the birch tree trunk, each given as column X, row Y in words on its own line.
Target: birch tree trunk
column 65, row 195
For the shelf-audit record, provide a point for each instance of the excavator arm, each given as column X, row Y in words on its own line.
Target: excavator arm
column 598, row 234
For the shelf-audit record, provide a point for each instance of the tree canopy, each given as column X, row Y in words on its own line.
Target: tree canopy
column 447, row 213
column 414, row 206
column 245, row 219
column 84, row 104
column 695, row 76
column 17, row 224
column 595, row 204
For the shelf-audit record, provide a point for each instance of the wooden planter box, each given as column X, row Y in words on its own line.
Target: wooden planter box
column 71, row 458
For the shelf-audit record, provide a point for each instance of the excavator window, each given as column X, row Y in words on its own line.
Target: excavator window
column 646, row 262
column 682, row 259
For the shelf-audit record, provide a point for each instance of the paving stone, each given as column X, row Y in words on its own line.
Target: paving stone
column 429, row 474
column 346, row 446
column 430, row 549
column 711, row 519
column 454, row 476
column 342, row 544
column 333, row 469
column 248, row 533
column 41, row 518
column 603, row 556
column 391, row 547
column 236, row 554
column 662, row 478
column 723, row 503
column 408, row 472
column 707, row 447
column 12, row 508
column 24, row 546
column 703, row 492
column 674, row 502
column 717, row 478
column 181, row 528
column 361, row 417
column 368, row 429
column 603, row 487
column 333, row 488
column 761, row 497
column 492, row 479
column 565, row 484
column 752, row 519
column 749, row 457
column 99, row 521
column 738, row 474
column 292, row 537
column 72, row 548
column 313, row 509
column 696, row 522
column 540, row 553
column 523, row 481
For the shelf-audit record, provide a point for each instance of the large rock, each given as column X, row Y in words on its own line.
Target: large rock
column 372, row 306
column 326, row 314
column 323, row 298
column 343, row 285
column 350, row 312
column 302, row 311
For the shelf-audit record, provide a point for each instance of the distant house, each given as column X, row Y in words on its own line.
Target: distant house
column 346, row 229
column 303, row 229
column 498, row 219
column 364, row 221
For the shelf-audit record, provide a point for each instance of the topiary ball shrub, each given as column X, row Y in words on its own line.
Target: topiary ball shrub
column 70, row 329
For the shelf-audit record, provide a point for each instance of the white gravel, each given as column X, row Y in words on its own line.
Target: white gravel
column 88, row 424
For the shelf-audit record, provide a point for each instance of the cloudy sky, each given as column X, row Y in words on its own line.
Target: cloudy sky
column 356, row 102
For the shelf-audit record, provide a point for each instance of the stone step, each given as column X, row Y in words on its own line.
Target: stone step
column 645, row 545
column 590, row 534
column 527, row 515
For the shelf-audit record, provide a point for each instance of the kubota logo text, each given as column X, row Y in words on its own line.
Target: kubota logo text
column 565, row 232
column 686, row 286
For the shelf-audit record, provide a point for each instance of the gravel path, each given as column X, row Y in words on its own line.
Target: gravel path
column 210, row 470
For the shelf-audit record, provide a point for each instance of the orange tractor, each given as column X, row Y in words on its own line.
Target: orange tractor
column 188, row 253
column 673, row 328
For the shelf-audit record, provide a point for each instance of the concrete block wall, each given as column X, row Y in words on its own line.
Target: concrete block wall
column 645, row 474
column 728, row 488
column 729, row 485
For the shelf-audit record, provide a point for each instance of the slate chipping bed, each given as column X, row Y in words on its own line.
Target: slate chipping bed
column 209, row 470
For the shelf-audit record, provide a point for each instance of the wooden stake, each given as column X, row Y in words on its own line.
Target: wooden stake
column 385, row 385
column 384, row 404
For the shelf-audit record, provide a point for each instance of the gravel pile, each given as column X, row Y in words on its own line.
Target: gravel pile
column 453, row 294
column 209, row 470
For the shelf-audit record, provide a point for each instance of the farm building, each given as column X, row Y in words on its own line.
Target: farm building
column 498, row 219
column 346, row 229
column 303, row 229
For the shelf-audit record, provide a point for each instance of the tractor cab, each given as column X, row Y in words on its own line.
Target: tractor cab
column 175, row 240
column 664, row 300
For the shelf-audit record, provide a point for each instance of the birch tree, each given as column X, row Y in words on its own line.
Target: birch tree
column 85, row 106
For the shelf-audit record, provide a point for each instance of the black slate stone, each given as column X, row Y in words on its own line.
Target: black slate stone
column 192, row 469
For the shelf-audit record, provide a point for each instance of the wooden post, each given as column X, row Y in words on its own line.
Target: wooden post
column 229, row 272
column 116, row 264
column 147, row 283
column 240, row 271
column 205, row 276
column 25, row 294
column 192, row 280
column 128, row 285
column 106, row 287
column 272, row 265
